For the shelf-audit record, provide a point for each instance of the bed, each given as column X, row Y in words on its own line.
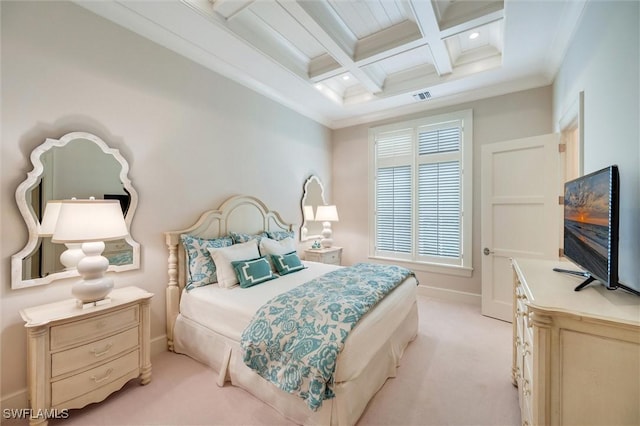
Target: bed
column 206, row 322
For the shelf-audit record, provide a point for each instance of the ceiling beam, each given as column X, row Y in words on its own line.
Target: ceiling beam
column 426, row 19
column 472, row 23
column 230, row 8
column 336, row 43
column 389, row 39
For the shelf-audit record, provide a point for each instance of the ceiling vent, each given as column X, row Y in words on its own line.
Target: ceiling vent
column 422, row 96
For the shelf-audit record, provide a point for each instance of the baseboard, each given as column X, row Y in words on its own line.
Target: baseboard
column 18, row 399
column 158, row 345
column 450, row 295
column 14, row 401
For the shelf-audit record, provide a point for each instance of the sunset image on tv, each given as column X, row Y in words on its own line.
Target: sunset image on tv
column 587, row 222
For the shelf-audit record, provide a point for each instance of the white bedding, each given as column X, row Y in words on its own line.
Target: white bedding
column 229, row 311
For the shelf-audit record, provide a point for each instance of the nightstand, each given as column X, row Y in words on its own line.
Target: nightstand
column 331, row 255
column 79, row 356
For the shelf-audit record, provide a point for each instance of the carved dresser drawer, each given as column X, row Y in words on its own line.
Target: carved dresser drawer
column 80, row 356
column 92, row 328
column 94, row 352
column 65, row 391
column 331, row 255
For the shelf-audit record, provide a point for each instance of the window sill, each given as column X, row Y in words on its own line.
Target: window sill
column 436, row 268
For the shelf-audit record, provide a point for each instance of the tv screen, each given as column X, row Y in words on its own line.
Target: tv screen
column 591, row 224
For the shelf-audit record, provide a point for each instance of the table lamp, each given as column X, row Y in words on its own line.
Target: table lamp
column 307, row 216
column 90, row 222
column 326, row 215
column 307, row 213
column 72, row 255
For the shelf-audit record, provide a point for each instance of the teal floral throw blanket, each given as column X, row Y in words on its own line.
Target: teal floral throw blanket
column 294, row 339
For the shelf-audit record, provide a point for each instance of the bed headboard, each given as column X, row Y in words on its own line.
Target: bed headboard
column 240, row 213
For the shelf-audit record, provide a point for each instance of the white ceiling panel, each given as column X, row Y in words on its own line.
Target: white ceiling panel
column 298, row 52
column 406, row 60
column 476, row 44
column 367, row 17
column 290, row 29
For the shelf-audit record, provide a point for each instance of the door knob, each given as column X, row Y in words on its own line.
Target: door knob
column 486, row 251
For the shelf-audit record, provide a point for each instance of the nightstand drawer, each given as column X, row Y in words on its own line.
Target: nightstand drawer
column 92, row 328
column 313, row 257
column 332, row 258
column 91, row 353
column 67, row 389
column 331, row 255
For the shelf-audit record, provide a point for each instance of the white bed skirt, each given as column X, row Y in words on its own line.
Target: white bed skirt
column 376, row 359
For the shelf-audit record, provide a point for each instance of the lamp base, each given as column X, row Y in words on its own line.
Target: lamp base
column 87, row 291
column 82, row 305
column 71, row 256
column 326, row 240
column 94, row 285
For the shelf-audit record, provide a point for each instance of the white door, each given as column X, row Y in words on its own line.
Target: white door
column 520, row 213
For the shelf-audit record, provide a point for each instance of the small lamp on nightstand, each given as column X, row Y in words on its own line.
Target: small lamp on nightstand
column 307, row 213
column 326, row 215
column 90, row 222
column 307, row 216
column 72, row 255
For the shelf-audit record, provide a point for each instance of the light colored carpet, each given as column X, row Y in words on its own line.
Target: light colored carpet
column 456, row 372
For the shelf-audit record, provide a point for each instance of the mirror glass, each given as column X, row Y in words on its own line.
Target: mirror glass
column 78, row 165
column 312, row 197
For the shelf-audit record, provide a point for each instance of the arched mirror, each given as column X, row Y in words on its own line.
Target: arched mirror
column 78, row 165
column 312, row 197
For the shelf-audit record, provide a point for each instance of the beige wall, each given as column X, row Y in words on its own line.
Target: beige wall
column 603, row 61
column 192, row 139
column 501, row 118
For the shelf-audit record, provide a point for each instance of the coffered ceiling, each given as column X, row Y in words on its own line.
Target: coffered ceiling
column 344, row 62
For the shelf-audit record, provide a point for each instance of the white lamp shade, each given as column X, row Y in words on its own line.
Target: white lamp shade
column 83, row 221
column 307, row 212
column 50, row 218
column 327, row 214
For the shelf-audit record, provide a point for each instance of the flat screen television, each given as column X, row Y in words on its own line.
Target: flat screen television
column 591, row 227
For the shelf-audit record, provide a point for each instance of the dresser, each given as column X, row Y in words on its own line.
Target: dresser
column 576, row 355
column 79, row 356
column 331, row 255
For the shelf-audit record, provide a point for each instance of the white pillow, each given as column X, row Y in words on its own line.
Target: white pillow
column 269, row 247
column 223, row 257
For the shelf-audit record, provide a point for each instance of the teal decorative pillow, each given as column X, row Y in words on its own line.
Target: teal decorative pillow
column 239, row 237
column 201, row 269
column 252, row 272
column 287, row 263
column 280, row 235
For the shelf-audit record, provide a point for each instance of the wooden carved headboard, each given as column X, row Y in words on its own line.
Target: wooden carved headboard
column 240, row 213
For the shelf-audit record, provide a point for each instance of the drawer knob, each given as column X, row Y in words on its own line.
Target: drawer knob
column 103, row 378
column 103, row 351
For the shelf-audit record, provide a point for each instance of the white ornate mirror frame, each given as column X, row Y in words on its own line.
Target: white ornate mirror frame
column 312, row 196
column 33, row 179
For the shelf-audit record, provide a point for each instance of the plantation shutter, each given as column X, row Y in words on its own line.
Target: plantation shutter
column 440, row 191
column 421, row 192
column 393, row 191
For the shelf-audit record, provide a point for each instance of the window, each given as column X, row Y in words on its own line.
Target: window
column 422, row 192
